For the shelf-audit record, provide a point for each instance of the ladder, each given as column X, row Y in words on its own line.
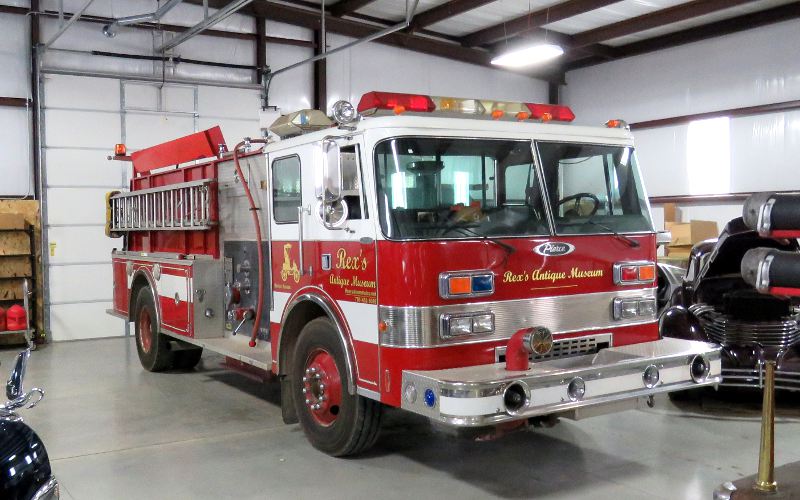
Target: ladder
column 185, row 206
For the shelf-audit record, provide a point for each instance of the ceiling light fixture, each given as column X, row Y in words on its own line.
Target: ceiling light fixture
column 528, row 56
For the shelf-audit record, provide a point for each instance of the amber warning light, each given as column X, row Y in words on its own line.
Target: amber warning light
column 120, row 150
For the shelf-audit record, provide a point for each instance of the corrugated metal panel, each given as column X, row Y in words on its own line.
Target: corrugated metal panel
column 394, row 10
column 15, row 152
column 489, row 15
column 739, row 10
column 348, row 79
column 611, row 14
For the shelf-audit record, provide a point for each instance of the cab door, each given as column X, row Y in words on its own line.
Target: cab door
column 337, row 240
column 344, row 255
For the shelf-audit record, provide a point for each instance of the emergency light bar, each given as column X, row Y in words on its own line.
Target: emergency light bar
column 399, row 103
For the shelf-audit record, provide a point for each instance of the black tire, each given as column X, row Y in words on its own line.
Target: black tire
column 186, row 359
column 154, row 353
column 357, row 421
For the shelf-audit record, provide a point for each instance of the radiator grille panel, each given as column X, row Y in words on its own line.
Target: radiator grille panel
column 566, row 348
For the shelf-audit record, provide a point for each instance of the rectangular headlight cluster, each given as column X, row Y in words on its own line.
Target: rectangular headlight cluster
column 460, row 325
column 634, row 307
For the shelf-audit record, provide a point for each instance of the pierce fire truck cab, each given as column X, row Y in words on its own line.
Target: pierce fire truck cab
column 475, row 262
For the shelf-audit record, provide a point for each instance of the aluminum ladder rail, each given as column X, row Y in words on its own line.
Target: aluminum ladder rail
column 185, row 206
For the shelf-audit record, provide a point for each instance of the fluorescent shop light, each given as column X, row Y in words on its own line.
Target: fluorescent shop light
column 528, row 56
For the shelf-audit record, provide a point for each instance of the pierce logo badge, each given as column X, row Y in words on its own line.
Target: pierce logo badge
column 554, row 249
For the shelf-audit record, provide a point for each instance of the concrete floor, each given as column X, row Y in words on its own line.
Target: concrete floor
column 116, row 431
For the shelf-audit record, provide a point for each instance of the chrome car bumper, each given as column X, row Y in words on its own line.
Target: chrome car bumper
column 488, row 394
column 48, row 491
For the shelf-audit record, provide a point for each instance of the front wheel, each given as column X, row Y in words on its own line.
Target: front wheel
column 334, row 421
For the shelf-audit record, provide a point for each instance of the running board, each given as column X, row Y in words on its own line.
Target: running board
column 237, row 348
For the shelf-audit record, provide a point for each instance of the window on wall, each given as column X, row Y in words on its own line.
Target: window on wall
column 708, row 156
column 286, row 195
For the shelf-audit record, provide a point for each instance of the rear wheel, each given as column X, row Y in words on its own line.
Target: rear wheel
column 186, row 359
column 152, row 346
column 333, row 420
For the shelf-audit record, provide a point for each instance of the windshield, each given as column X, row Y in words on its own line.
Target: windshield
column 457, row 188
column 594, row 188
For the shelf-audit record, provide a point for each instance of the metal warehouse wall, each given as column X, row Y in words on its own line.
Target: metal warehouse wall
column 91, row 102
column 16, row 176
column 750, row 68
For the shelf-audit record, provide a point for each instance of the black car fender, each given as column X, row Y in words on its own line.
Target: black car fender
column 25, row 465
column 678, row 322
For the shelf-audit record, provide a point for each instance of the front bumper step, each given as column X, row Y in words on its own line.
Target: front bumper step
column 489, row 394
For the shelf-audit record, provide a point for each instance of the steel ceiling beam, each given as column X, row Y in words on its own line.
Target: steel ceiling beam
column 220, row 15
column 355, row 29
column 716, row 29
column 445, row 11
column 655, row 19
column 530, row 23
column 345, row 7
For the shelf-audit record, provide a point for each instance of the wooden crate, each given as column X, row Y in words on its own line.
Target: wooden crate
column 11, row 289
column 13, row 222
column 14, row 243
column 16, row 267
column 29, row 209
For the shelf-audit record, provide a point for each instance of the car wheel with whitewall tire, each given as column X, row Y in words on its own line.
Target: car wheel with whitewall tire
column 152, row 346
column 334, row 421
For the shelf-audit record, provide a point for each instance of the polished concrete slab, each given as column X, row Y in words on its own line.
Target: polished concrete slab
column 116, row 431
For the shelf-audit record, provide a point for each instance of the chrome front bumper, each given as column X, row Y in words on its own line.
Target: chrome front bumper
column 476, row 395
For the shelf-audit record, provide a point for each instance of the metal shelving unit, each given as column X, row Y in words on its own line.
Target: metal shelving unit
column 27, row 285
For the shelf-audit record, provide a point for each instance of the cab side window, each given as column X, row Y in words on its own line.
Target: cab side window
column 352, row 183
column 286, row 194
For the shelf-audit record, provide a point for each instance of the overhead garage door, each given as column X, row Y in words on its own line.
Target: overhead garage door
column 83, row 118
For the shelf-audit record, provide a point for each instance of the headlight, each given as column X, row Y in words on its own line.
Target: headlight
column 483, row 323
column 479, row 323
column 626, row 308
column 460, row 325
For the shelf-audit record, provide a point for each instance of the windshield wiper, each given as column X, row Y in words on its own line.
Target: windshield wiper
column 630, row 241
column 505, row 246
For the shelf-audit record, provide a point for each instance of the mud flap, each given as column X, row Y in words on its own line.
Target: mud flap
column 287, row 402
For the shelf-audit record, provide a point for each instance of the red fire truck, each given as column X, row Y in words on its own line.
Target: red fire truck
column 476, row 262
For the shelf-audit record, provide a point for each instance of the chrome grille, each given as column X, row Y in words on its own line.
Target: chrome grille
column 565, row 348
column 754, row 377
column 725, row 330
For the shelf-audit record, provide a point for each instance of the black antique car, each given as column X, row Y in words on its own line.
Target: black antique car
column 715, row 304
column 24, row 464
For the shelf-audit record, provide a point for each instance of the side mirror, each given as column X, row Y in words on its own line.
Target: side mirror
column 14, row 387
column 663, row 238
column 329, row 186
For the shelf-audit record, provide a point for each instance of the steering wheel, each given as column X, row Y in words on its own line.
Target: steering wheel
column 577, row 199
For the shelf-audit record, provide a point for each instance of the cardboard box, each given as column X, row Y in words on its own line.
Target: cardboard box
column 10, row 222
column 680, row 252
column 670, row 212
column 689, row 233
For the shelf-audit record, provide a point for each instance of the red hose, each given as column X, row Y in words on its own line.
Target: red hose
column 257, row 224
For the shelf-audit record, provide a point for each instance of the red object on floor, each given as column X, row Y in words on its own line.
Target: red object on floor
column 2, row 319
column 15, row 318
